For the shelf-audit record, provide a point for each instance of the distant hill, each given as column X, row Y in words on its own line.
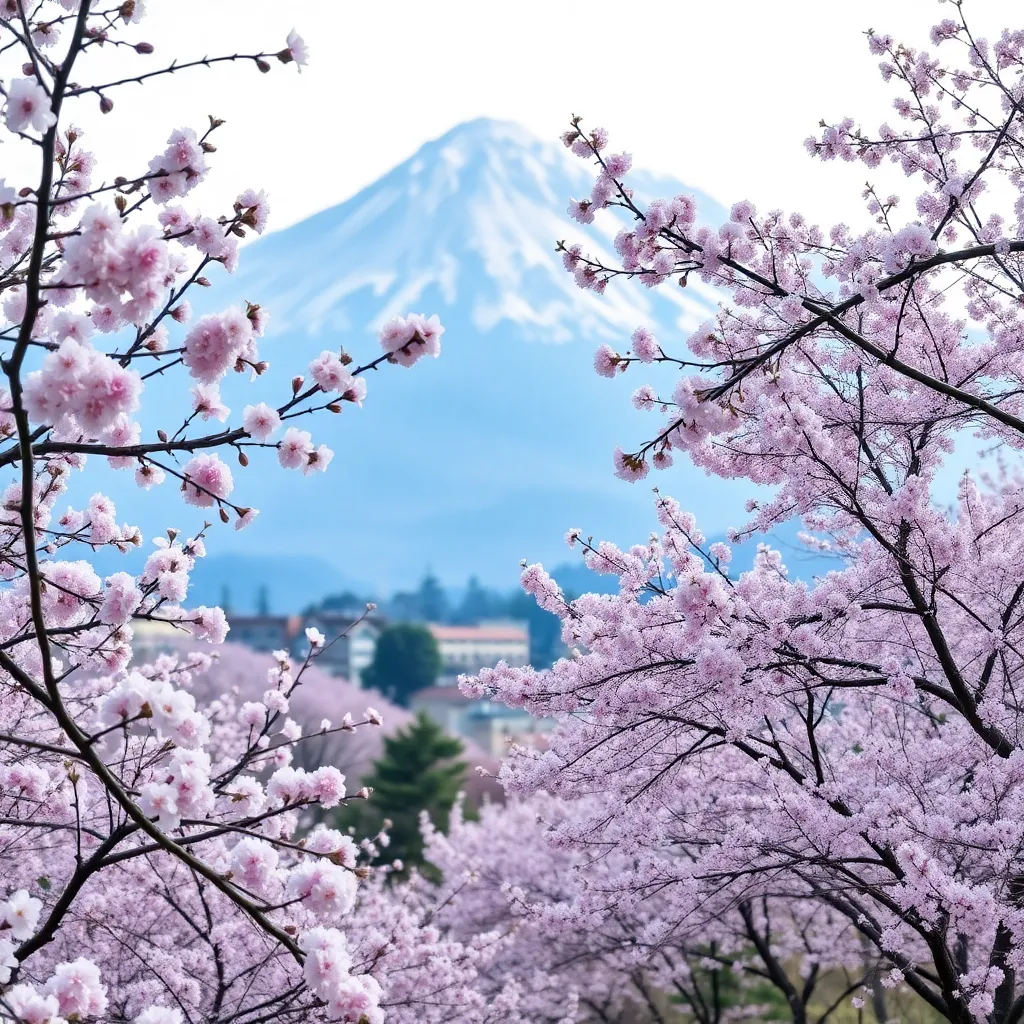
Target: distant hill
column 288, row 583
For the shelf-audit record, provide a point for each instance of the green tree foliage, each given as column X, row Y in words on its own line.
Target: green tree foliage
column 419, row 770
column 406, row 659
column 346, row 603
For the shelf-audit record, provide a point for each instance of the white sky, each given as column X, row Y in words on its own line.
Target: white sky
column 720, row 94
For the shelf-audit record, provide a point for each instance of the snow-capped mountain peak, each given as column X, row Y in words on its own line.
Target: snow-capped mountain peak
column 470, row 220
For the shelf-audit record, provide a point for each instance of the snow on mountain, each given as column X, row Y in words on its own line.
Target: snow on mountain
column 473, row 218
column 486, row 456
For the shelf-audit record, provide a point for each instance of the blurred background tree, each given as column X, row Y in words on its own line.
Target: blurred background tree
column 406, row 659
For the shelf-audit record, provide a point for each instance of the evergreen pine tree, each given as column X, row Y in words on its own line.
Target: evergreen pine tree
column 418, row 771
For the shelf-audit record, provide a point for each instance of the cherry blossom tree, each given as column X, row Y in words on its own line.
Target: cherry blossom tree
column 519, row 873
column 853, row 745
column 156, row 863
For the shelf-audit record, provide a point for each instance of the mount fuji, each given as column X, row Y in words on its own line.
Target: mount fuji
column 487, row 455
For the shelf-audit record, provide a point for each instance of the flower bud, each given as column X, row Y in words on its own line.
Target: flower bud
column 143, row 47
column 106, row 104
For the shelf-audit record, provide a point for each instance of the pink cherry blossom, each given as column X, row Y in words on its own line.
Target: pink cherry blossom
column 295, row 448
column 206, row 480
column 298, row 51
column 260, row 421
column 256, row 210
column 330, row 373
column 28, row 106
column 207, row 403
column 20, row 914
column 121, row 599
column 407, row 339
column 78, row 989
column 214, row 343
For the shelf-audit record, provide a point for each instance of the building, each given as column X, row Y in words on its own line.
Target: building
column 152, row 638
column 486, row 723
column 351, row 642
column 348, row 650
column 467, row 649
column 264, row 633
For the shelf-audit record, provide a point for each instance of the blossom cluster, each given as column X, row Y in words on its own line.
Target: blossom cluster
column 158, row 856
column 841, row 737
column 80, row 390
column 408, row 339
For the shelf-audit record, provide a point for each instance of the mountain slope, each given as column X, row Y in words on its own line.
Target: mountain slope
column 471, row 220
column 489, row 454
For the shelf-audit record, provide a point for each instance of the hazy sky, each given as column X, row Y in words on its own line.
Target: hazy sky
column 720, row 94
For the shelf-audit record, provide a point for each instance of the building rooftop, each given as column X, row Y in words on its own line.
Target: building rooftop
column 488, row 632
column 346, row 617
column 448, row 694
column 291, row 624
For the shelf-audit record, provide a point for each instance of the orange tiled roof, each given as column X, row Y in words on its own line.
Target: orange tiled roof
column 479, row 633
column 450, row 694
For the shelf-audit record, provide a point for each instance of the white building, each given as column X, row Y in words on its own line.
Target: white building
column 153, row 638
column 467, row 649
